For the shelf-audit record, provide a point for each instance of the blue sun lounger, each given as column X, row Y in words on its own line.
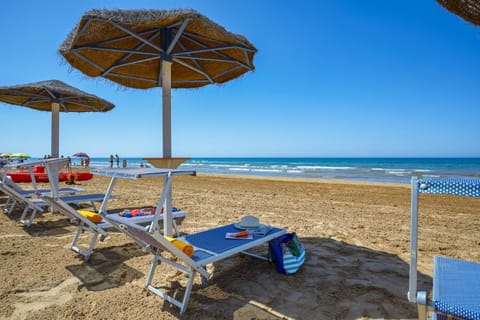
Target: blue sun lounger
column 84, row 224
column 35, row 205
column 8, row 186
column 456, row 283
column 209, row 246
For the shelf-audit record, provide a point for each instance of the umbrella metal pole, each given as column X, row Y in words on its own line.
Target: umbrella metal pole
column 167, row 108
column 167, row 139
column 55, row 129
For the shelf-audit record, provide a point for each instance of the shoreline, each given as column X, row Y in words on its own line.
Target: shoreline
column 307, row 180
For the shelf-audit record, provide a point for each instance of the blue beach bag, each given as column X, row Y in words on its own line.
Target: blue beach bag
column 287, row 253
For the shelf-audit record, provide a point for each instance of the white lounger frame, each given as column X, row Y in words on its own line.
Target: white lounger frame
column 157, row 244
column 84, row 224
column 33, row 205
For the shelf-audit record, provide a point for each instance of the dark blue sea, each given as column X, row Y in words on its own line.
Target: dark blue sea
column 398, row 170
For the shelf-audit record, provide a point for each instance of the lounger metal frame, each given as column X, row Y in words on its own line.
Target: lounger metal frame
column 138, row 173
column 195, row 264
column 17, row 194
column 33, row 205
column 97, row 229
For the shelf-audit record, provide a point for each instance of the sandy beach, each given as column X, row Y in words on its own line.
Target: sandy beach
column 356, row 236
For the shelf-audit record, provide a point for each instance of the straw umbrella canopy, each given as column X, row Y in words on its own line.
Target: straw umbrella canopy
column 157, row 48
column 469, row 10
column 53, row 96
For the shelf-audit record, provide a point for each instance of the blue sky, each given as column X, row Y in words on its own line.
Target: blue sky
column 333, row 78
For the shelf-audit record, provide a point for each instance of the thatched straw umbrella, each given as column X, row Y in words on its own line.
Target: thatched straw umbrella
column 53, row 96
column 157, row 48
column 469, row 10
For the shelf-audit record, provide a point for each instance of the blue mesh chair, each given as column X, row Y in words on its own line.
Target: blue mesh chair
column 456, row 283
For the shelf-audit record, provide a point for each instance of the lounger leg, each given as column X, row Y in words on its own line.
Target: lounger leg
column 11, row 205
column 186, row 297
column 30, row 221
column 91, row 246
column 422, row 311
column 94, row 207
column 152, row 269
column 24, row 215
column 75, row 238
column 86, row 254
column 177, row 233
column 188, row 290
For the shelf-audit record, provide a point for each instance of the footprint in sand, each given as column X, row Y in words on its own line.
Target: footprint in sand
column 37, row 300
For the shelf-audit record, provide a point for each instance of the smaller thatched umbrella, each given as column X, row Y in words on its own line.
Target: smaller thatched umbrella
column 469, row 10
column 53, row 96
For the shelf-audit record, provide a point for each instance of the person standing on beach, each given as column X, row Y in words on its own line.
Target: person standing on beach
column 118, row 160
column 111, row 161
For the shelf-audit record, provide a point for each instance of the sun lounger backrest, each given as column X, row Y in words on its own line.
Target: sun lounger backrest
column 62, row 207
column 14, row 194
column 157, row 241
column 9, row 182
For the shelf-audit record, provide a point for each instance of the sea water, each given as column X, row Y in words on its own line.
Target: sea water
column 399, row 170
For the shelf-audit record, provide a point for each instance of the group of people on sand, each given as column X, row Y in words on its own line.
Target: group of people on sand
column 117, row 160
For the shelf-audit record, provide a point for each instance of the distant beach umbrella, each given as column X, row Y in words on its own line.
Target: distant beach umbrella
column 6, row 155
column 20, row 155
column 157, row 48
column 53, row 96
column 469, row 10
column 80, row 155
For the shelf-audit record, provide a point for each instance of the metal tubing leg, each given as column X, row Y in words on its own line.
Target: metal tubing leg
column 77, row 235
column 86, row 254
column 188, row 289
column 10, row 205
column 412, row 286
column 152, row 269
column 94, row 207
column 30, row 221
column 24, row 215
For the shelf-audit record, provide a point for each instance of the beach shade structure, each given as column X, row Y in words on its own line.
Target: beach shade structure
column 80, row 155
column 157, row 48
column 53, row 96
column 6, row 155
column 469, row 10
column 20, row 155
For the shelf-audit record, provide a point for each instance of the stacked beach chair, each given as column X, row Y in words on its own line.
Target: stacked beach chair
column 30, row 199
